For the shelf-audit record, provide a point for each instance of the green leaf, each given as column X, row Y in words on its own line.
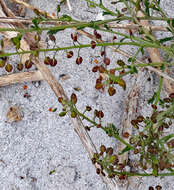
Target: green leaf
column 166, row 39
column 65, row 18
column 151, row 100
column 146, row 3
column 155, row 172
column 126, row 149
column 16, row 40
column 166, row 138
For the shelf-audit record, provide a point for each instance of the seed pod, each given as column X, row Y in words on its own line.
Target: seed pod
column 136, row 151
column 107, row 61
column 111, row 91
column 73, row 98
column 53, row 62
column 8, row 67
column 158, row 187
column 28, row 64
column 2, row 63
column 167, row 100
column 126, row 135
column 74, row 37
column 122, row 177
column 87, row 128
column 79, row 60
column 120, row 63
column 140, row 118
column 102, row 53
column 171, row 95
column 170, row 144
column 98, row 86
column 101, row 69
column 95, row 69
column 109, row 151
column 47, row 61
column 98, row 171
column 100, row 114
column 70, row 54
column 111, row 175
column 88, row 108
column 154, row 106
column 93, row 44
column 124, row 9
column 20, row 66
column 73, row 114
column 151, row 188
column 102, row 148
column 52, row 37
column 60, row 99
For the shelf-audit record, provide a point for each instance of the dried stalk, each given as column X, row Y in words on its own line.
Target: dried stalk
column 20, row 77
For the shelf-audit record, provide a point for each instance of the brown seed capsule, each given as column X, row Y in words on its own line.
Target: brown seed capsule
column 93, row 44
column 69, row 54
column 88, row 108
column 47, row 61
column 74, row 37
column 98, row 171
column 126, row 135
column 93, row 160
column 109, row 151
column 100, row 114
column 171, row 95
column 170, row 144
column 73, row 98
column 102, row 148
column 101, row 69
column 120, row 63
column 168, row 100
column 99, row 126
column 102, row 53
column 52, row 37
column 124, row 9
column 154, row 106
column 28, row 64
column 73, row 114
column 140, row 118
column 2, row 63
column 107, row 61
column 122, row 177
column 158, row 187
column 120, row 166
column 79, row 60
column 95, row 69
column 60, row 99
column 53, row 62
column 98, row 86
column 151, row 188
column 20, row 66
column 8, row 67
column 111, row 91
column 136, row 151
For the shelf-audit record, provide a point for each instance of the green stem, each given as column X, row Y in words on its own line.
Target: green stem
column 159, row 91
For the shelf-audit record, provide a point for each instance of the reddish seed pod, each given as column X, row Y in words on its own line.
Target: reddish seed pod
column 170, row 144
column 171, row 95
column 102, row 53
column 74, row 37
column 107, row 61
column 95, row 32
column 101, row 69
column 73, row 98
column 93, row 44
column 154, row 106
column 47, row 61
column 124, row 9
column 114, row 37
column 52, row 37
column 158, row 187
column 95, row 69
column 151, row 188
column 88, row 108
column 122, row 177
column 53, row 62
column 70, row 54
column 136, row 151
column 79, row 60
column 140, row 118
column 98, row 86
column 60, row 99
column 8, row 67
column 111, row 91
column 20, row 66
column 109, row 151
column 99, row 126
column 100, row 114
column 98, row 36
column 112, row 71
column 168, row 100
column 126, row 135
column 98, row 171
column 28, row 64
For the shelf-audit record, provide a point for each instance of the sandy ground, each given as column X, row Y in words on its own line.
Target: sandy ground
column 42, row 141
